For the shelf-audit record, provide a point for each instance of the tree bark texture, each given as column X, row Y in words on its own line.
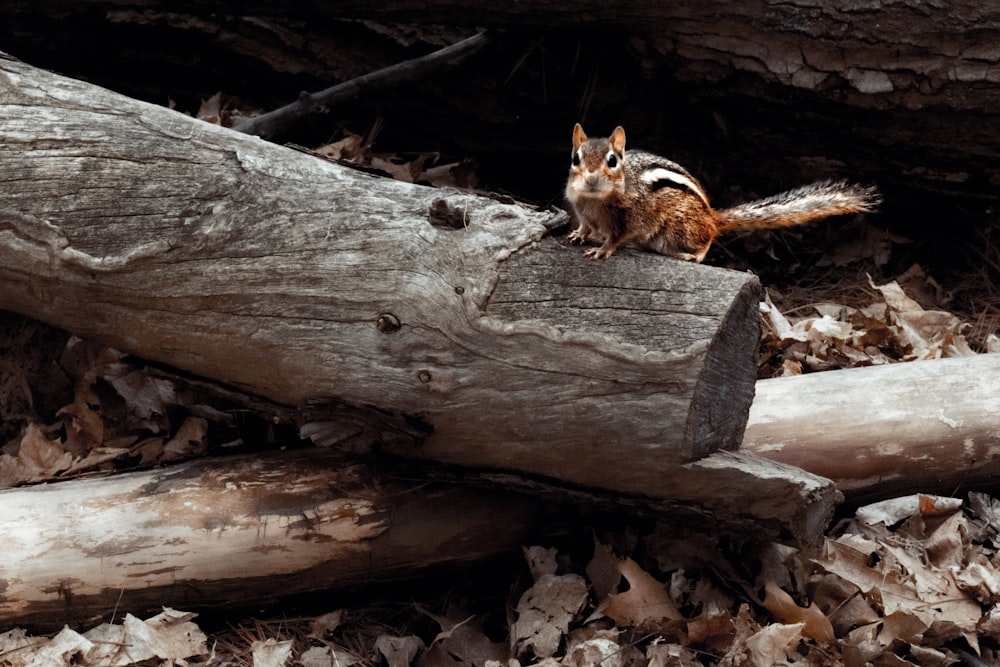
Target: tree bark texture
column 303, row 281
column 878, row 432
column 905, row 93
column 906, row 54
column 235, row 531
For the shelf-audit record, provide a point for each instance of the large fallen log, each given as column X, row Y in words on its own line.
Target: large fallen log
column 878, row 432
column 901, row 93
column 449, row 320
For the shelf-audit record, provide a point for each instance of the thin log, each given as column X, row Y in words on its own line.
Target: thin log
column 878, row 432
column 235, row 531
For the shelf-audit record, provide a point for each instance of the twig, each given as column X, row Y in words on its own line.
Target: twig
column 274, row 122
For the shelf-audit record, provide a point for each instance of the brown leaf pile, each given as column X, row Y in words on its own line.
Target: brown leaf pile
column 169, row 638
column 424, row 168
column 908, row 581
column 892, row 329
column 119, row 416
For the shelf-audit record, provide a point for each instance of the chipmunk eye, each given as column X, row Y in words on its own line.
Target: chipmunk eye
column 612, row 160
column 576, row 159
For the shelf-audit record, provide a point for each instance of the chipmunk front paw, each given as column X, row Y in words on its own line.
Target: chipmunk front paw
column 579, row 236
column 599, row 254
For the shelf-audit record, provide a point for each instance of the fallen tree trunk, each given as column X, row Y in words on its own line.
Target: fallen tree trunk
column 883, row 431
column 444, row 321
column 235, row 531
column 301, row 280
column 894, row 91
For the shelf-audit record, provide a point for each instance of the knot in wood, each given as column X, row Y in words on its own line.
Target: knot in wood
column 443, row 214
column 387, row 323
column 424, row 377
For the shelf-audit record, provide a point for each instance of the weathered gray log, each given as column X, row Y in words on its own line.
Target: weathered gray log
column 450, row 317
column 235, row 531
column 302, row 280
column 878, row 432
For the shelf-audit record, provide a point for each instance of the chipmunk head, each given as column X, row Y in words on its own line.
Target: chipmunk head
column 597, row 166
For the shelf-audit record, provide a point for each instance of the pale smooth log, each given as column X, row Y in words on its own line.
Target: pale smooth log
column 310, row 283
column 882, row 431
column 235, row 531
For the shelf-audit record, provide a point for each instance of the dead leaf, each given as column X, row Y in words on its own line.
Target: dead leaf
column 210, row 110
column 930, row 333
column 38, row 458
column 602, row 571
column 147, row 398
column 671, row 655
column 541, row 561
column 399, row 651
column 598, row 652
column 84, row 424
column 170, row 635
column 645, row 602
column 351, row 148
column 323, row 626
column 815, row 624
column 545, row 612
column 903, row 584
column 271, row 652
column 328, row 656
column 771, row 644
column 189, row 440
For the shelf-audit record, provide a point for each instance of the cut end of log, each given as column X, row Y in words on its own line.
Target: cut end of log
column 722, row 397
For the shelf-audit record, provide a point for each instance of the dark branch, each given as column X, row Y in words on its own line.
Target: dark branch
column 275, row 122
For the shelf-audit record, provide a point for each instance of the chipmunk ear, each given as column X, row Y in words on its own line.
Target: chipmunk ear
column 579, row 136
column 618, row 140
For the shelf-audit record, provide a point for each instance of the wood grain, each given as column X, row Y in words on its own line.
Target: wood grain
column 307, row 282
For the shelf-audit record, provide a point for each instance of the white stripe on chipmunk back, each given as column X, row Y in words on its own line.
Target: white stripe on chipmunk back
column 659, row 174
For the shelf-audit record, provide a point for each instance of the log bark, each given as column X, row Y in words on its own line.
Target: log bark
column 446, row 323
column 236, row 531
column 891, row 91
column 889, row 54
column 883, row 431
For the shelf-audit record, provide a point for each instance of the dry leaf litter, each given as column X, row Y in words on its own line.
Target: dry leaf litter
column 907, row 581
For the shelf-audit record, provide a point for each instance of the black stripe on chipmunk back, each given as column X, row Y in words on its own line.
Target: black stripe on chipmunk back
column 661, row 183
column 667, row 183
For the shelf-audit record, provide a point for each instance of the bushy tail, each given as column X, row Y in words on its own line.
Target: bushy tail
column 799, row 206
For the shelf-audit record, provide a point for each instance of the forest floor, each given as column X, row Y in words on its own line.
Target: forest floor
column 908, row 581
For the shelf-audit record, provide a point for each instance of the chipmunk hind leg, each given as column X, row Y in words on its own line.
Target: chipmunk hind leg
column 683, row 234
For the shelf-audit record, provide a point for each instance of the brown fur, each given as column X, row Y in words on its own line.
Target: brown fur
column 647, row 200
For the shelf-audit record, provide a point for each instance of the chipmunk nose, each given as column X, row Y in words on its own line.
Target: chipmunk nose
column 592, row 180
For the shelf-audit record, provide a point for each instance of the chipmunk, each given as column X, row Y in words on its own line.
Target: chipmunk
column 652, row 202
